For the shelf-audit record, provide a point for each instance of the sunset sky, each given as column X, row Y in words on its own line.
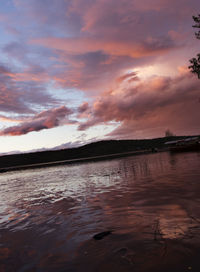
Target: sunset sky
column 75, row 71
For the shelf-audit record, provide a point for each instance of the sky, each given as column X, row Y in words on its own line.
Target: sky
column 77, row 71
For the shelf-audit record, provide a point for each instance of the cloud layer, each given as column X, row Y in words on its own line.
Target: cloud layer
column 155, row 104
column 121, row 56
column 19, row 94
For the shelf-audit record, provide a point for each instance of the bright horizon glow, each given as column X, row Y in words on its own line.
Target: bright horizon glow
column 52, row 138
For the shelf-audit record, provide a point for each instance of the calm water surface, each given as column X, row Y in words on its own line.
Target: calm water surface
column 151, row 203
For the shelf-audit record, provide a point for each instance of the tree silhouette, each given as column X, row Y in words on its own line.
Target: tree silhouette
column 195, row 62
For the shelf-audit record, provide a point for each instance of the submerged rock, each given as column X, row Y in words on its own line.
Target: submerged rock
column 101, row 235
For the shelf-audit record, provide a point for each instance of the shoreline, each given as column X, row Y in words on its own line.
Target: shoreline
column 78, row 160
column 95, row 151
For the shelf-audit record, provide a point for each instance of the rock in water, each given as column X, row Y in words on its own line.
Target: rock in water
column 101, row 235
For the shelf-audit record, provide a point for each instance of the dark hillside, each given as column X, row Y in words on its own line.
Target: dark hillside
column 89, row 150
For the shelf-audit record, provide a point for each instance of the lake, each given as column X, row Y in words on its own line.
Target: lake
column 149, row 205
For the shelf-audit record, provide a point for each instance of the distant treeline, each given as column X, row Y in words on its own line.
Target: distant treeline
column 90, row 150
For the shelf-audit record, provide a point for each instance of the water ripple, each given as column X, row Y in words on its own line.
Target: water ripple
column 50, row 215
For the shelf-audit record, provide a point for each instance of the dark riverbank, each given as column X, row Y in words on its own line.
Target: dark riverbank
column 91, row 152
column 79, row 160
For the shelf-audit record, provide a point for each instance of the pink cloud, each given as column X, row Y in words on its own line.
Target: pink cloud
column 132, row 76
column 113, row 35
column 84, row 107
column 91, row 72
column 44, row 120
column 109, row 18
column 20, row 92
column 132, row 49
column 152, row 105
column 109, row 37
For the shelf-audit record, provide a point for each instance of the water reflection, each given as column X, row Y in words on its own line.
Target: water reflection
column 151, row 203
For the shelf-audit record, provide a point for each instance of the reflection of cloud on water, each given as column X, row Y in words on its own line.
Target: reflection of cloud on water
column 173, row 221
column 163, row 222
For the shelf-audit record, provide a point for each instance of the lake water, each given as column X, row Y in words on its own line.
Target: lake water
column 150, row 203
